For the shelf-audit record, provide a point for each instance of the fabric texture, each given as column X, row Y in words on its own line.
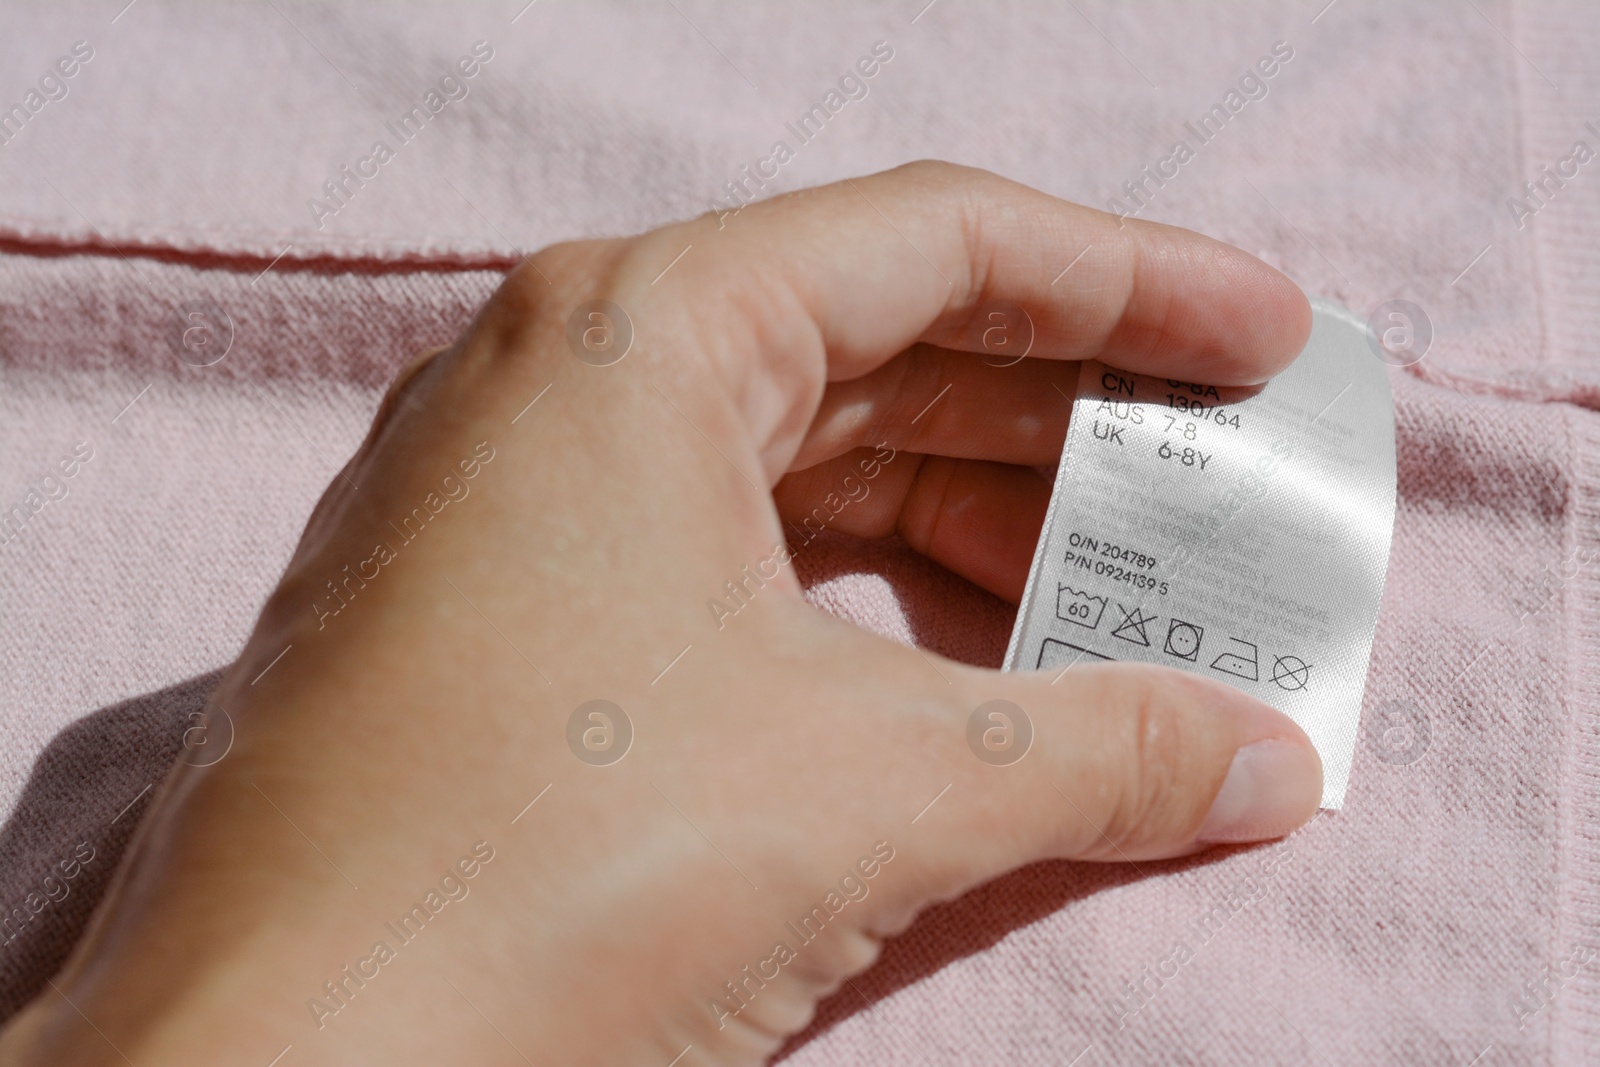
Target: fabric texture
column 1449, row 914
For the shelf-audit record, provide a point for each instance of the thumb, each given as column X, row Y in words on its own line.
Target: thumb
column 1118, row 762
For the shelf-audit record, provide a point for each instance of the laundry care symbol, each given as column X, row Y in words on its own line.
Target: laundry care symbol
column 1291, row 672
column 1238, row 663
column 1183, row 639
column 1132, row 628
column 1079, row 607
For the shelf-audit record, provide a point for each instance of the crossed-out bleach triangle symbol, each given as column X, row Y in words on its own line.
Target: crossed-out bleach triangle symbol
column 1132, row 626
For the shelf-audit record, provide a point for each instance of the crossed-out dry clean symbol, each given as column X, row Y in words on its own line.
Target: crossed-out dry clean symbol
column 1291, row 672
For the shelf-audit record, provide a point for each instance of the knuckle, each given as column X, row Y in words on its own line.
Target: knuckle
column 404, row 382
column 527, row 315
column 925, row 169
column 939, row 172
column 640, row 260
column 549, row 283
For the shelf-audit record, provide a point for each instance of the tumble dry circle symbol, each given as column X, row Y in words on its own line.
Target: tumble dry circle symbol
column 1183, row 639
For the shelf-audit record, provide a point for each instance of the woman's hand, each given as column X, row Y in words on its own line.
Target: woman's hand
column 421, row 847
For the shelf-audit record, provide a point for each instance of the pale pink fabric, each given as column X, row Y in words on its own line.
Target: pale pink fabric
column 177, row 167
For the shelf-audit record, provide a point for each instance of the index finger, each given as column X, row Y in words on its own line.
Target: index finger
column 928, row 247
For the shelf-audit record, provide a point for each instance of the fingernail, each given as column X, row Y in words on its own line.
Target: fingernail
column 1272, row 787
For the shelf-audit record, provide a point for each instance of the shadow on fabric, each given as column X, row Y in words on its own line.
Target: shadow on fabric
column 78, row 811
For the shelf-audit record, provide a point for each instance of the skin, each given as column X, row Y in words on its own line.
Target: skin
column 421, row 719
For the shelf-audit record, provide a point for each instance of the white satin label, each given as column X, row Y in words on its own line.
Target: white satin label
column 1242, row 534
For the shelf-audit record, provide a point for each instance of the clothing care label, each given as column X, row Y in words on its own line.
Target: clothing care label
column 1242, row 534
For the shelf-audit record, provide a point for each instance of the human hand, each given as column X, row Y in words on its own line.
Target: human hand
column 513, row 562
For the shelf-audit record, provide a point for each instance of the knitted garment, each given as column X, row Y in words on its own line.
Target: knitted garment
column 222, row 161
